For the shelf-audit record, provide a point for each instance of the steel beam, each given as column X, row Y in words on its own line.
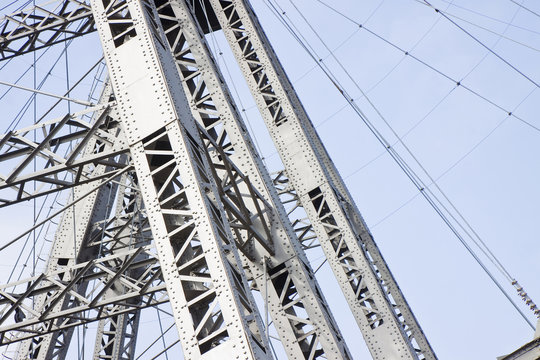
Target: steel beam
column 55, row 285
column 117, row 335
column 43, row 154
column 44, row 25
column 212, row 307
column 250, row 200
column 387, row 323
column 198, row 220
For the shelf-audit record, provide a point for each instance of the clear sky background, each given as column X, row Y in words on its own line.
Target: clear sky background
column 485, row 161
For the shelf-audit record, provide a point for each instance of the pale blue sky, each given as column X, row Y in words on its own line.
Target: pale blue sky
column 495, row 185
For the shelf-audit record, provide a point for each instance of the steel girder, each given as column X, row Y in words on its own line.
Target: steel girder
column 212, row 306
column 117, row 335
column 56, row 285
column 57, row 21
column 75, row 243
column 41, row 26
column 250, row 187
column 51, row 163
column 380, row 309
column 204, row 211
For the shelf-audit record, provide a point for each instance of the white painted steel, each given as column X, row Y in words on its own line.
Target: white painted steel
column 173, row 176
column 387, row 323
column 116, row 336
column 69, row 248
column 211, row 222
column 212, row 106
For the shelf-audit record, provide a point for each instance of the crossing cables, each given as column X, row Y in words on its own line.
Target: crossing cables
column 451, row 216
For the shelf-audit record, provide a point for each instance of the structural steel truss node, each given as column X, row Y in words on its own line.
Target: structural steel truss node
column 171, row 204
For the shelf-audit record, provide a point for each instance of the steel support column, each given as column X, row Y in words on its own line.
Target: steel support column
column 212, row 306
column 387, row 323
column 229, row 145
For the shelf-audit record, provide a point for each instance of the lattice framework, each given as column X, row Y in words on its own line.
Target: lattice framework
column 197, row 221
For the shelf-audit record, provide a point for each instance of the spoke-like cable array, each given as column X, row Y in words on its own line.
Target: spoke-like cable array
column 446, row 214
column 525, row 8
column 40, row 119
column 494, row 32
column 450, row 214
column 480, row 42
column 431, row 67
column 457, row 162
column 483, row 246
column 488, row 17
column 32, row 100
column 482, row 140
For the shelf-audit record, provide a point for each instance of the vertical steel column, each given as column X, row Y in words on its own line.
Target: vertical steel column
column 315, row 335
column 69, row 247
column 116, row 336
column 387, row 323
column 212, row 306
column 67, row 250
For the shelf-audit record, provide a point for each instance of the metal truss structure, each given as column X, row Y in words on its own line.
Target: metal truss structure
column 170, row 202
